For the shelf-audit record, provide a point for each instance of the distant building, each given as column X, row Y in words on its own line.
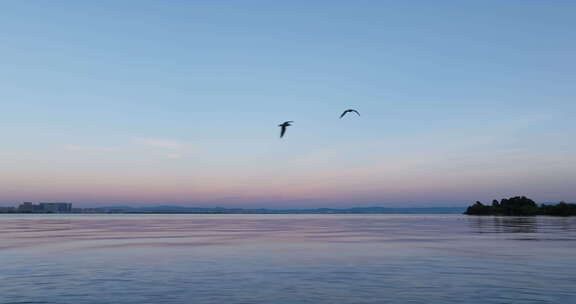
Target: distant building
column 7, row 209
column 56, row 207
column 28, row 207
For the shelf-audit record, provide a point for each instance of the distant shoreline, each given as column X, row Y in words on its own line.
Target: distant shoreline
column 218, row 210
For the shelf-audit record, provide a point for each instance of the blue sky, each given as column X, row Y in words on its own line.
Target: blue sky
column 150, row 102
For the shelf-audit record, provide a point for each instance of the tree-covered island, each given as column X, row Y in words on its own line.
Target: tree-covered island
column 521, row 206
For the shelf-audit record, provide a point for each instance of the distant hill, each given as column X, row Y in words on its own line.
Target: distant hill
column 220, row 210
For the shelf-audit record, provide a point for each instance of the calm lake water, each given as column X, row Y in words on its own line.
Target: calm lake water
column 286, row 259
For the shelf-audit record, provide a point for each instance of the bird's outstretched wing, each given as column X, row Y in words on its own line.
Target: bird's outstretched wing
column 348, row 111
column 282, row 131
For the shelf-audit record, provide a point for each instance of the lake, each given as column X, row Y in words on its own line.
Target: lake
column 292, row 259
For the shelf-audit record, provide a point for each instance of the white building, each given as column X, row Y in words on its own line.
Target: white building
column 28, row 207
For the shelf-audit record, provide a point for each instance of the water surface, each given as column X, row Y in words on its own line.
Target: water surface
column 286, row 259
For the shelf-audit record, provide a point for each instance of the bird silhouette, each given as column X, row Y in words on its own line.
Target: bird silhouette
column 283, row 127
column 348, row 111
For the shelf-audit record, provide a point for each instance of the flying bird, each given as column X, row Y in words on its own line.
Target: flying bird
column 348, row 111
column 283, row 127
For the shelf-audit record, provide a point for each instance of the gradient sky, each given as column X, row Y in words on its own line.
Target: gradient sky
column 178, row 102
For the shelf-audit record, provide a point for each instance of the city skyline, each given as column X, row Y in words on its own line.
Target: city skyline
column 141, row 103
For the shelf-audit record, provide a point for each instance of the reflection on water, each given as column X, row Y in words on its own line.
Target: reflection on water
column 541, row 227
column 286, row 259
column 501, row 224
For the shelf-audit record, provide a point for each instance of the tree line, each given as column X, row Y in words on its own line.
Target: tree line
column 521, row 206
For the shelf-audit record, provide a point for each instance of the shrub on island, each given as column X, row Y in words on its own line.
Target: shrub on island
column 520, row 206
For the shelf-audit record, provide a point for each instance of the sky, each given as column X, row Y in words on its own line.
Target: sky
column 178, row 102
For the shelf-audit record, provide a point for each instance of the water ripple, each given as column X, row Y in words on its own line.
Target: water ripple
column 286, row 259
